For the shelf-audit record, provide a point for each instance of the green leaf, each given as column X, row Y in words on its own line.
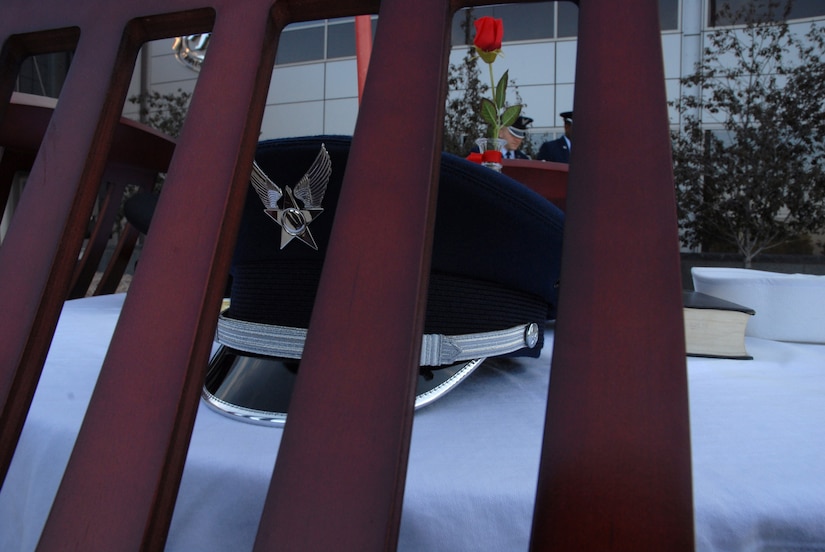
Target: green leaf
column 489, row 111
column 510, row 115
column 501, row 90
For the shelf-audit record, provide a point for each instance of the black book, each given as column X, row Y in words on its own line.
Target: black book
column 715, row 327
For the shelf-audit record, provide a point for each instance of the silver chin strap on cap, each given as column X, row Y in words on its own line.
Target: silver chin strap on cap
column 436, row 349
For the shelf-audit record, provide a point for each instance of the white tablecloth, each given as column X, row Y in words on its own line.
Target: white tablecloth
column 758, row 438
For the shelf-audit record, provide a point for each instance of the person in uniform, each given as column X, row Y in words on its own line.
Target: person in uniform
column 558, row 150
column 513, row 137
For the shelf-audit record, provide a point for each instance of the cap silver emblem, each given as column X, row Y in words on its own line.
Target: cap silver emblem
column 190, row 50
column 300, row 205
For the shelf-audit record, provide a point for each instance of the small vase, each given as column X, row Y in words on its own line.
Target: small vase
column 490, row 149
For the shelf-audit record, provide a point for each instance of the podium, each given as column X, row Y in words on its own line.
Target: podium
column 543, row 177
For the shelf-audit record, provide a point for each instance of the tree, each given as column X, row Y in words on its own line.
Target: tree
column 757, row 180
column 163, row 112
column 462, row 121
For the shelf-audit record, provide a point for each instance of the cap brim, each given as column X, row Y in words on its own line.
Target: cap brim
column 257, row 389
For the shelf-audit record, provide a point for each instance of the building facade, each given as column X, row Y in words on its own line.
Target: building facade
column 314, row 88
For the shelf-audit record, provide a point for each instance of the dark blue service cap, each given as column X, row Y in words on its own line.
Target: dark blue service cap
column 491, row 233
column 519, row 126
column 495, row 266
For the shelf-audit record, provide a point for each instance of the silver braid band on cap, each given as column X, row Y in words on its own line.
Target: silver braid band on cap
column 436, row 349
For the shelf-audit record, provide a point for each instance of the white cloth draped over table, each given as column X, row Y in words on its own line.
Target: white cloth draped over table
column 758, row 437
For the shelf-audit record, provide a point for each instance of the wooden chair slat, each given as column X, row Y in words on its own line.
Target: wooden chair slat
column 36, row 267
column 172, row 305
column 615, row 470
column 392, row 185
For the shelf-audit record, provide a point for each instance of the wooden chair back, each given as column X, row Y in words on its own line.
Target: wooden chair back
column 615, row 472
column 138, row 153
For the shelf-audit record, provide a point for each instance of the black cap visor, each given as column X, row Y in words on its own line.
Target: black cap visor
column 258, row 388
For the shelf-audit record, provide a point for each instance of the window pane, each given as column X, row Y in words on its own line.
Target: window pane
column 521, row 22
column 526, row 21
column 301, row 45
column 807, row 8
column 463, row 29
column 568, row 19
column 799, row 9
column 341, row 40
column 44, row 74
column 669, row 14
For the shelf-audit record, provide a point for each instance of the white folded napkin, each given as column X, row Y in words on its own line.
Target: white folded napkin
column 789, row 307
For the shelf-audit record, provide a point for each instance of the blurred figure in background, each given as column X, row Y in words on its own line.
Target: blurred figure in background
column 558, row 150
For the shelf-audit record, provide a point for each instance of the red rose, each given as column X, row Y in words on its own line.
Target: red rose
column 489, row 32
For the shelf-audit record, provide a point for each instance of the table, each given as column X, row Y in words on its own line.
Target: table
column 758, row 436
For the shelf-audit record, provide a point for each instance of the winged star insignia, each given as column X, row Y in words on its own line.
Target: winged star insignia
column 301, row 204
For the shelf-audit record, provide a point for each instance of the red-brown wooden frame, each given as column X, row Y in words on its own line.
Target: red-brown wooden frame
column 615, row 470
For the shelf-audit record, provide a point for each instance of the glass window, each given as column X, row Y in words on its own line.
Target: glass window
column 669, row 15
column 568, row 19
column 341, row 40
column 44, row 74
column 521, row 21
column 300, row 45
column 807, row 8
column 311, row 40
column 536, row 21
column 462, row 32
column 526, row 21
column 799, row 9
